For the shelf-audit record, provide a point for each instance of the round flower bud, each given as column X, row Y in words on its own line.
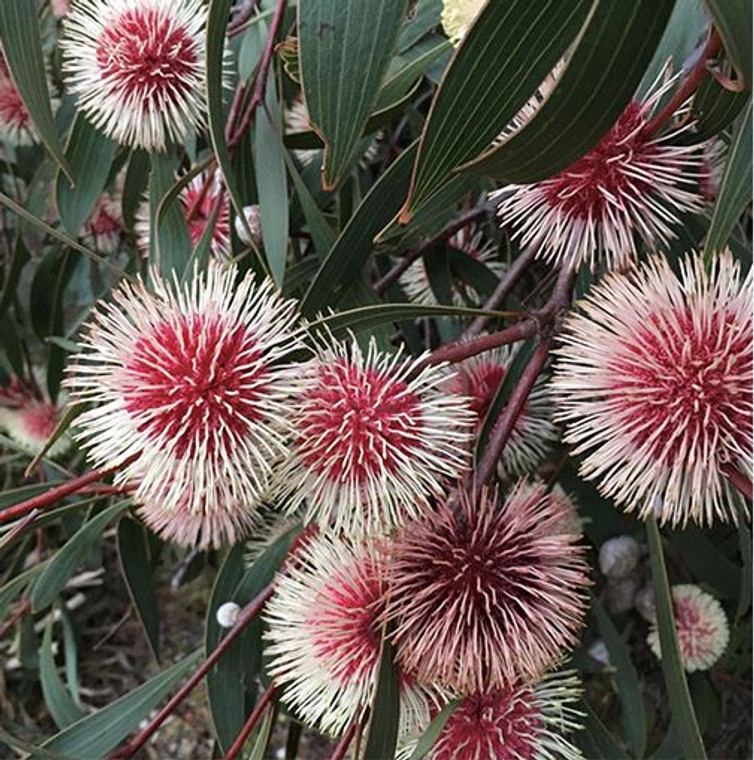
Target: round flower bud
column 227, row 614
column 620, row 593
column 619, row 556
column 254, row 222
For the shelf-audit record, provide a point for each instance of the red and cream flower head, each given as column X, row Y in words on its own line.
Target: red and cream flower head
column 324, row 634
column 480, row 378
column 484, row 596
column 653, row 383
column 631, row 185
column 188, row 380
column 457, row 16
column 16, row 126
column 198, row 200
column 103, row 229
column 701, row 628
column 137, row 67
column 522, row 722
column 374, row 436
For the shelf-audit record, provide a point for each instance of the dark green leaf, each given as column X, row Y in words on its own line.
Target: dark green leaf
column 97, row 735
column 139, row 576
column 69, row 556
column 433, row 731
column 599, row 79
column 735, row 188
column 344, row 50
column 386, row 706
column 733, row 19
column 63, row 709
column 714, row 109
column 424, row 16
column 134, row 186
column 90, row 155
column 12, row 272
column 681, row 707
column 19, row 32
column 504, row 57
column 15, row 586
column 595, row 741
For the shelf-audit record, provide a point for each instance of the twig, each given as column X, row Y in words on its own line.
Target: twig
column 504, row 287
column 687, row 88
column 252, row 721
column 21, row 610
column 738, row 479
column 345, row 740
column 60, row 492
column 448, row 231
column 247, row 614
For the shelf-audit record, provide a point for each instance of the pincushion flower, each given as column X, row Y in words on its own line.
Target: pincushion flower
column 701, row 628
column 531, row 722
column 653, row 382
column 482, row 595
column 631, row 185
column 374, row 436
column 457, row 16
column 137, row 67
column 324, row 634
column 16, row 126
column 188, row 379
column 480, row 378
column 103, row 228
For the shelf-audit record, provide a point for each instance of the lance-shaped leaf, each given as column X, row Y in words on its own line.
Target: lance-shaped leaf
column 733, row 19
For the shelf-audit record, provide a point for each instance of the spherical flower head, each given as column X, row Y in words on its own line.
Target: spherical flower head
column 188, row 379
column 701, row 628
column 374, row 437
column 16, row 126
column 653, row 382
column 631, row 185
column 103, row 229
column 137, row 67
column 482, row 596
column 457, row 16
column 523, row 722
column 324, row 634
column 480, row 378
column 470, row 242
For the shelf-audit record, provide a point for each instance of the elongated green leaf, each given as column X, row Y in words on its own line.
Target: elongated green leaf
column 63, row 709
column 707, row 562
column 681, row 707
column 90, row 155
column 139, row 576
column 595, row 741
column 13, row 587
column 424, row 16
column 714, row 109
column 19, row 32
column 96, row 735
column 600, row 77
column 733, row 18
column 735, row 189
column 264, row 735
column 433, row 731
column 386, row 706
column 33, row 750
column 344, row 49
column 134, row 186
column 633, row 716
column 272, row 184
column 354, row 244
column 12, row 272
column 60, row 429
column 501, row 62
column 65, row 561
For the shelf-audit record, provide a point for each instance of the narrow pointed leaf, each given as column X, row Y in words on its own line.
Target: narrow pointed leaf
column 433, row 731
column 63, row 709
column 733, row 18
column 386, row 706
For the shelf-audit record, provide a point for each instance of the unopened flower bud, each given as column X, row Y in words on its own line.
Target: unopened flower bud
column 227, row 614
column 644, row 602
column 619, row 556
column 620, row 594
column 598, row 652
column 254, row 221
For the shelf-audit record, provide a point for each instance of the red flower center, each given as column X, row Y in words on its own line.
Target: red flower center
column 40, row 420
column 501, row 724
column 196, row 382
column 146, row 56
column 105, row 223
column 13, row 112
column 201, row 204
column 358, row 423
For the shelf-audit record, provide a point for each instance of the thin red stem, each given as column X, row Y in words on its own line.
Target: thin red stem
column 690, row 84
column 345, row 740
column 60, row 492
column 247, row 614
column 17, row 614
column 738, row 479
column 251, row 722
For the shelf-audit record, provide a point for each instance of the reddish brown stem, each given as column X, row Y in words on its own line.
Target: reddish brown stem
column 251, row 722
column 447, row 232
column 690, row 84
column 345, row 740
column 243, row 15
column 247, row 614
column 260, row 79
column 738, row 479
column 59, row 492
column 504, row 287
column 17, row 614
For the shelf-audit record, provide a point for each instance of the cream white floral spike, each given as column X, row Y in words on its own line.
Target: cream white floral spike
column 457, row 16
column 374, row 436
column 187, row 379
column 653, row 383
column 137, row 67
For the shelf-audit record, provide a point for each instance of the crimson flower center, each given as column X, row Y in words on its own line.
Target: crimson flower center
column 12, row 108
column 145, row 55
column 196, row 382
column 359, row 422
